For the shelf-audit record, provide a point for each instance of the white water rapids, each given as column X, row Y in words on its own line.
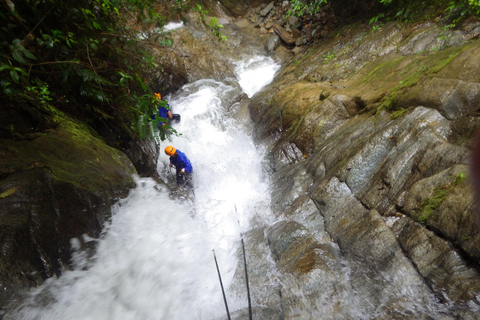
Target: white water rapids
column 155, row 259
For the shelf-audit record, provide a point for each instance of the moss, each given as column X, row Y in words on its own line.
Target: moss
column 310, row 50
column 406, row 72
column 72, row 154
column 388, row 102
column 297, row 123
column 338, row 165
column 388, row 67
column 428, row 206
column 398, row 113
column 431, row 204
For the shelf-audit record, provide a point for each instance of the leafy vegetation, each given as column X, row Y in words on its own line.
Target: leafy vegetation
column 89, row 58
column 299, row 8
column 453, row 11
column 405, row 10
column 214, row 25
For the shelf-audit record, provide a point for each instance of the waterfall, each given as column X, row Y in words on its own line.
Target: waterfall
column 155, row 257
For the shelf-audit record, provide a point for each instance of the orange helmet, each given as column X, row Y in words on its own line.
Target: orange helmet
column 170, row 151
column 157, row 95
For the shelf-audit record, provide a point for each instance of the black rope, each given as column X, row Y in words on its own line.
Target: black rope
column 246, row 272
column 221, row 285
column 246, row 279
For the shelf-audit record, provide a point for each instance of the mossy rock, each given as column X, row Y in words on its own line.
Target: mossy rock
column 57, row 186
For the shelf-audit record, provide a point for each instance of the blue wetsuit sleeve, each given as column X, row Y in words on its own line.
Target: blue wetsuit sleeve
column 184, row 162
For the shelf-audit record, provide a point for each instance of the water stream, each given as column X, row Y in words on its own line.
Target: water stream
column 155, row 258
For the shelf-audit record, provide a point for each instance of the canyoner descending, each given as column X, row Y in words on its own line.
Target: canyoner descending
column 352, row 202
column 154, row 259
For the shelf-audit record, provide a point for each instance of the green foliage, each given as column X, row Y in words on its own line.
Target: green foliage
column 299, row 8
column 460, row 9
column 201, row 11
column 214, row 25
column 41, row 93
column 376, row 18
column 328, row 56
column 83, row 53
column 14, row 72
column 411, row 10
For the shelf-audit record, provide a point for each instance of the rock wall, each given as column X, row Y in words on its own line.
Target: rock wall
column 369, row 131
column 370, row 135
column 58, row 181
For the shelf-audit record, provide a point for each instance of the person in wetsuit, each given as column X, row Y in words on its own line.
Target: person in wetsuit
column 182, row 165
column 164, row 111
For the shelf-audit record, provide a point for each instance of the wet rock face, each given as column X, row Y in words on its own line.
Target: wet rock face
column 369, row 160
column 144, row 155
column 54, row 187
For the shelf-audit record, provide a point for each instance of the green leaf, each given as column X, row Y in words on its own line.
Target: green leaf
column 14, row 76
column 18, row 56
column 22, row 71
column 9, row 192
column 144, row 106
column 28, row 54
column 166, row 42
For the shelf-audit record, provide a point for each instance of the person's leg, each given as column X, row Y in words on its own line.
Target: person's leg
column 189, row 179
column 180, row 178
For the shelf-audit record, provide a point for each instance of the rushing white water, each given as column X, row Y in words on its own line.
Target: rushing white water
column 155, row 258
column 255, row 72
column 173, row 26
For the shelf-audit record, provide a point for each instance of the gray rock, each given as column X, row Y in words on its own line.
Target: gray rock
column 300, row 41
column 292, row 21
column 364, row 171
column 438, row 262
column 258, row 21
column 429, row 39
column 267, row 9
column 272, row 43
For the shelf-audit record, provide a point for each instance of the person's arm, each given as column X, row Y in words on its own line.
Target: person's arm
column 169, row 114
column 184, row 163
column 187, row 166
